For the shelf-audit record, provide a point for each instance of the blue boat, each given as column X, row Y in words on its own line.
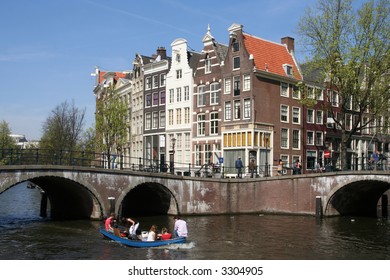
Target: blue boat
column 140, row 243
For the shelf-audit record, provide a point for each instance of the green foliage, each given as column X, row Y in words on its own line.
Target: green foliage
column 7, row 143
column 111, row 116
column 351, row 49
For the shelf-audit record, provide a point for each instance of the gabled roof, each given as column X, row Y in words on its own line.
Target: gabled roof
column 270, row 57
column 117, row 75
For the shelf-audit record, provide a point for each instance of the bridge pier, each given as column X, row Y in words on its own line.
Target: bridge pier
column 112, row 205
column 319, row 212
column 43, row 210
column 385, row 201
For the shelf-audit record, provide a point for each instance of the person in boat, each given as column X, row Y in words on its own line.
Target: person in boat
column 133, row 228
column 152, row 235
column 165, row 235
column 109, row 223
column 180, row 229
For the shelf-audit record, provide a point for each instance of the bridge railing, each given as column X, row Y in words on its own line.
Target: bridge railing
column 34, row 156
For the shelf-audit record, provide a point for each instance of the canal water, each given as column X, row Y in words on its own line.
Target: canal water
column 26, row 236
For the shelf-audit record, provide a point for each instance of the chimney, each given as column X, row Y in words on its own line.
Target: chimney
column 162, row 52
column 289, row 42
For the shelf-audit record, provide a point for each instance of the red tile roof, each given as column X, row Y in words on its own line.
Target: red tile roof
column 270, row 55
column 117, row 76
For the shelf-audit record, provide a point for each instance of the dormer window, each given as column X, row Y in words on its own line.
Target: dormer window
column 288, row 69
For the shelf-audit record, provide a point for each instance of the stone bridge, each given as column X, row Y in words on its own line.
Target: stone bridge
column 83, row 193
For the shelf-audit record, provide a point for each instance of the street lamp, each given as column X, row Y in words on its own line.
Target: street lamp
column 266, row 138
column 172, row 157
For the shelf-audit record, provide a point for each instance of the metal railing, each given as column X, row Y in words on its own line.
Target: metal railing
column 101, row 160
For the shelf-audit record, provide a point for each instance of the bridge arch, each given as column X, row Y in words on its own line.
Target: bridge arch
column 147, row 199
column 67, row 198
column 357, row 195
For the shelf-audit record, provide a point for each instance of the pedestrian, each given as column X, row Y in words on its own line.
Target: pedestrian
column 109, row 223
column 239, row 167
column 318, row 167
column 252, row 167
column 280, row 168
column 297, row 167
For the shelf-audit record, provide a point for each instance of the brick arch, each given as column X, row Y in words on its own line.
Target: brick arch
column 356, row 195
column 68, row 198
column 158, row 199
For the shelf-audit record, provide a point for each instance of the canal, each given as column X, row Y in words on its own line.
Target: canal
column 26, row 236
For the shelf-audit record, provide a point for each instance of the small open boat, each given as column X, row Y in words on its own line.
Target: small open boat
column 140, row 243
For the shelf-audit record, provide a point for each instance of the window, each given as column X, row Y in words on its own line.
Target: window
column 171, row 95
column 319, row 94
column 228, row 85
column 155, row 120
column 247, row 108
column 329, row 119
column 236, row 81
column 310, row 138
column 288, row 69
column 162, row 118
column 148, row 82
column 335, row 99
column 348, row 122
column 201, row 124
column 170, row 117
column 178, row 58
column 214, row 123
column 247, row 82
column 187, row 141
column 237, row 109
column 296, row 115
column 201, row 96
column 284, row 138
column 178, row 116
column 310, row 93
column 162, row 79
column 155, row 99
column 319, row 138
column 284, row 113
column 148, row 120
column 187, row 115
column 214, row 93
column 228, row 110
column 296, row 93
column 207, row 64
column 178, row 94
column 310, row 116
column 236, row 62
column 162, row 97
column 198, row 155
column 155, row 81
column 178, row 74
column 284, row 89
column 319, row 117
column 296, row 134
column 186, row 93
column 236, row 46
column 148, row 100
column 207, row 153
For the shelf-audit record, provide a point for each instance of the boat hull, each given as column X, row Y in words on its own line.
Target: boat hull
column 139, row 243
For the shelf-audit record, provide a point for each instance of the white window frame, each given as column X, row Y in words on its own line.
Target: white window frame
column 228, row 86
column 284, row 113
column 282, row 131
column 296, row 110
column 247, row 82
column 284, row 89
column 312, row 138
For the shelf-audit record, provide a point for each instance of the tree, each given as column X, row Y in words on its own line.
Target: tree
column 111, row 115
column 6, row 141
column 350, row 47
column 62, row 129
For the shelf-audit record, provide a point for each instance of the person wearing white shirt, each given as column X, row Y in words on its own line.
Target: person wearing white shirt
column 180, row 229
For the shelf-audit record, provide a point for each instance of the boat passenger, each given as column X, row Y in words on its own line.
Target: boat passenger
column 180, row 229
column 133, row 228
column 108, row 222
column 152, row 233
column 165, row 235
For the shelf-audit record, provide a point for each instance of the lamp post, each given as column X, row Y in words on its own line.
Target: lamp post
column 172, row 158
column 266, row 138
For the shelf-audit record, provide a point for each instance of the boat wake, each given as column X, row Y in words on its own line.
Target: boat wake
column 178, row 246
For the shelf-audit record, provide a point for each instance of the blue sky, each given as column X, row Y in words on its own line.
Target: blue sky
column 49, row 48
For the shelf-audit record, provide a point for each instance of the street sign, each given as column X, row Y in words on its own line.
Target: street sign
column 220, row 160
column 326, row 154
